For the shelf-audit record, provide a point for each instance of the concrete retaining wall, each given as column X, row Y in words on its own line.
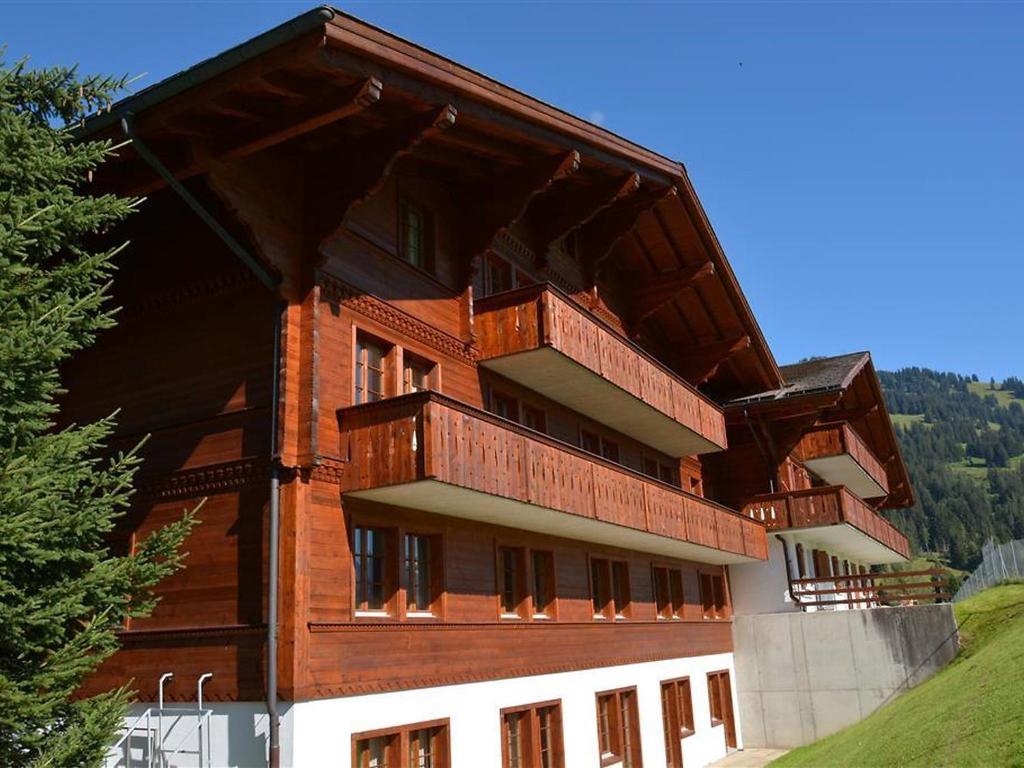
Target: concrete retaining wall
column 803, row 676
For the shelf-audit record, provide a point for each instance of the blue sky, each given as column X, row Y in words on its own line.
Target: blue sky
column 863, row 164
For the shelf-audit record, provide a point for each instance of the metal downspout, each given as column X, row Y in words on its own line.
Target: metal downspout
column 271, row 282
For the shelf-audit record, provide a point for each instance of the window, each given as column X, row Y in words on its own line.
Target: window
column 543, row 584
column 370, row 556
column 422, row 580
column 590, row 442
column 618, row 728
column 505, row 406
column 531, row 737
column 510, row 581
column 677, row 718
column 610, row 450
column 534, row 418
column 498, row 275
column 668, row 592
column 423, row 745
column 712, row 595
column 660, row 470
column 720, row 701
column 821, row 564
column 415, row 244
column 609, row 588
column 416, row 374
column 620, row 589
column 370, row 378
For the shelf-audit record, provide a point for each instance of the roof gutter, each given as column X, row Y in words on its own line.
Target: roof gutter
column 271, row 282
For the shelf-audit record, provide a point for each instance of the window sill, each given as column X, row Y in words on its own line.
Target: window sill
column 373, row 614
column 541, row 617
column 510, row 617
column 420, row 615
column 686, row 733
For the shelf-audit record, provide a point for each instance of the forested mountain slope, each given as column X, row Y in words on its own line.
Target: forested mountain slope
column 963, row 442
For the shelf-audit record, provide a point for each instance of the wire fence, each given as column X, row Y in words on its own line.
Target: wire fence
column 999, row 563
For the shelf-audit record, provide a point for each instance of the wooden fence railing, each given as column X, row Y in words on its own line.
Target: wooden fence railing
column 866, row 590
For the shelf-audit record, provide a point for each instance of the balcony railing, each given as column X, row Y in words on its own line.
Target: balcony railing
column 538, row 337
column 818, row 508
column 867, row 590
column 430, row 452
column 837, row 454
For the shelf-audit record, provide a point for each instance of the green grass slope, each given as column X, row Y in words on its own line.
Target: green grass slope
column 970, row 714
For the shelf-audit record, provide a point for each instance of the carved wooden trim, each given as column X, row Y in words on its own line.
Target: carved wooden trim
column 214, row 478
column 336, row 290
column 191, row 292
column 327, row 470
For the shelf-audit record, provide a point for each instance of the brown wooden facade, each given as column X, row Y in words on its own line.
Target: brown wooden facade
column 435, row 229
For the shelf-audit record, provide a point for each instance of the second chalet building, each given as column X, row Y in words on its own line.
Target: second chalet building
column 530, row 448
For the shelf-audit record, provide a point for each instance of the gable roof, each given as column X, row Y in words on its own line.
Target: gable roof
column 810, row 377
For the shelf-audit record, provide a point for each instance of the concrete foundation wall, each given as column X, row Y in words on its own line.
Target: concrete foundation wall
column 803, row 676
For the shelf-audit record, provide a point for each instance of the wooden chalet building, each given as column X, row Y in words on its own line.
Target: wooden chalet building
column 478, row 408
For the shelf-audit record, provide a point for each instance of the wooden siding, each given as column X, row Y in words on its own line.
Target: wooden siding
column 429, row 436
column 541, row 315
column 830, row 505
column 826, row 440
column 352, row 659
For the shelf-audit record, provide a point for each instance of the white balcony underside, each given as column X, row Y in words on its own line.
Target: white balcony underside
column 844, row 470
column 456, row 501
column 843, row 540
column 560, row 378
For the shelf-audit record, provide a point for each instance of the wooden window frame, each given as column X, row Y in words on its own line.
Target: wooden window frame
column 547, row 608
column 657, row 468
column 677, row 717
column 495, row 394
column 719, row 684
column 389, row 585
column 616, row 729
column 526, row 410
column 714, row 596
column 801, row 563
column 436, row 575
column 532, row 756
column 520, row 591
column 405, row 205
column 360, row 340
column 403, row 733
column 397, row 602
column 411, row 360
column 674, row 603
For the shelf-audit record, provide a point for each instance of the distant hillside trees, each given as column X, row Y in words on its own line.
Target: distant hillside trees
column 959, row 504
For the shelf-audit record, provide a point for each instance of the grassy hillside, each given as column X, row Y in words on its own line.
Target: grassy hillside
column 963, row 443
column 969, row 714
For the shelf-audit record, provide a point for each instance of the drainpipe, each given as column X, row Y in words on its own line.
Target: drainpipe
column 272, row 282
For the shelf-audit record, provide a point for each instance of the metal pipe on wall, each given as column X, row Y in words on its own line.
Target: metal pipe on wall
column 271, row 282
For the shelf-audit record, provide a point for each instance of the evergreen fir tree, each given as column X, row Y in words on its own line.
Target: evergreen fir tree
column 63, row 594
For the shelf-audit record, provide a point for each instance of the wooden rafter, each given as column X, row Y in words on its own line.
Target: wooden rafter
column 550, row 224
column 598, row 236
column 350, row 175
column 351, row 101
column 659, row 289
column 699, row 364
column 498, row 207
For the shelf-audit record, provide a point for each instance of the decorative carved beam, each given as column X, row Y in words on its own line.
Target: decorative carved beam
column 498, row 207
column 350, row 176
column 597, row 237
column 699, row 364
column 550, row 225
column 351, row 101
column 647, row 298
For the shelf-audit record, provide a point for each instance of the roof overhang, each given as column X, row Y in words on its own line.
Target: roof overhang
column 843, row 540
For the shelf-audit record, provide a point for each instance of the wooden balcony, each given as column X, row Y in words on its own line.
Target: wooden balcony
column 426, row 451
column 537, row 336
column 836, row 454
column 834, row 519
